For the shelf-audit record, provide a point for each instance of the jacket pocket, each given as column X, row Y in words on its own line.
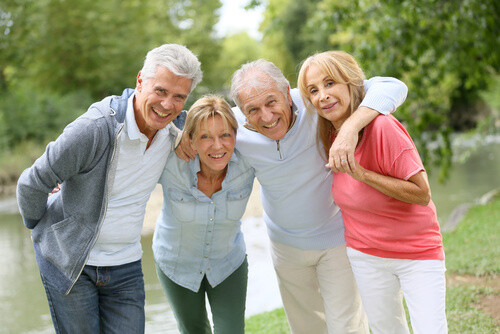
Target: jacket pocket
column 183, row 205
column 64, row 243
column 237, row 202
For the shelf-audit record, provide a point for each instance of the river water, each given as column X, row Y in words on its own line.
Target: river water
column 23, row 307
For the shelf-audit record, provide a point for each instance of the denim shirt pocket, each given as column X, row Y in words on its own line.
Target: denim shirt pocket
column 183, row 205
column 237, row 201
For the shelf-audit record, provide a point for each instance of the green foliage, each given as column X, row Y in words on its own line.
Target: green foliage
column 98, row 46
column 28, row 114
column 237, row 49
column 13, row 162
column 472, row 248
column 443, row 51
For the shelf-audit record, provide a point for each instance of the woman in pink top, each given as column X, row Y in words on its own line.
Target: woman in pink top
column 392, row 233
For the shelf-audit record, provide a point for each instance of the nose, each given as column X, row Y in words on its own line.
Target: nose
column 266, row 115
column 323, row 95
column 217, row 143
column 167, row 103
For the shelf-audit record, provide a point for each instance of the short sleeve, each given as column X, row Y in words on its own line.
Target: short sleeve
column 395, row 151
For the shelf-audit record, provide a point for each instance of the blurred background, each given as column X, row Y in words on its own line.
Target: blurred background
column 59, row 56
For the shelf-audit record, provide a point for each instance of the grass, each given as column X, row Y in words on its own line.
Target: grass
column 471, row 249
column 269, row 322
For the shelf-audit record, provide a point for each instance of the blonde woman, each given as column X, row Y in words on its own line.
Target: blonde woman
column 198, row 245
column 392, row 233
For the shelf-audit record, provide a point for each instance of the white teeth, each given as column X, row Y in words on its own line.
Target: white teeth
column 271, row 125
column 160, row 113
column 217, row 156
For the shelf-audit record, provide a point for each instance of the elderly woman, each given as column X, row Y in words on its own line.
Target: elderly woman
column 391, row 228
column 198, row 245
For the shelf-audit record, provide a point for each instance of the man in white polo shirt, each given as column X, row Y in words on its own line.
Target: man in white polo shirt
column 87, row 236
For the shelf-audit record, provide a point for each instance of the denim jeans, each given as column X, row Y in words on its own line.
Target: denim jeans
column 103, row 300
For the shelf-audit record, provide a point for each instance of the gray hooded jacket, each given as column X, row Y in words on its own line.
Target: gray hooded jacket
column 83, row 160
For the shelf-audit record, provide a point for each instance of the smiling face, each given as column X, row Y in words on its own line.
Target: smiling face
column 267, row 109
column 159, row 100
column 214, row 142
column 331, row 100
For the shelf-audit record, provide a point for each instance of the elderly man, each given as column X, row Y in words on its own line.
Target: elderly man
column 87, row 236
column 304, row 224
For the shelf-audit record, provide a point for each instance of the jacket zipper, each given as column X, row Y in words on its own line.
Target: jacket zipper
column 278, row 148
column 105, row 211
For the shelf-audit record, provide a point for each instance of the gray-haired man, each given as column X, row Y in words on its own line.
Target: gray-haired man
column 108, row 161
column 305, row 226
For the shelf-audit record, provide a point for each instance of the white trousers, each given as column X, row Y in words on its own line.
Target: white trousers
column 318, row 290
column 382, row 282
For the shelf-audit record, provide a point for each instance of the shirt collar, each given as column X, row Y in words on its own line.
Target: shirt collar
column 133, row 131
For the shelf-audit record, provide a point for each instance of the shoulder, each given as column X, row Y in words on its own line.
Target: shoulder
column 176, row 171
column 388, row 132
column 386, row 124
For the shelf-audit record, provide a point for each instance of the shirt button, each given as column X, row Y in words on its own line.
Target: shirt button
column 208, row 243
column 201, row 272
column 212, row 202
column 209, row 230
column 208, row 268
column 211, row 219
column 206, row 257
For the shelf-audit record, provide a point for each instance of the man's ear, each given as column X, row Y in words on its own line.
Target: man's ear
column 289, row 97
column 139, row 82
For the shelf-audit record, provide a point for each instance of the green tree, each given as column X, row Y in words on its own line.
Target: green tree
column 445, row 51
column 98, row 46
column 237, row 49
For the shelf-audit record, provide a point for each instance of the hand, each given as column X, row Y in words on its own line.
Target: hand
column 358, row 172
column 184, row 150
column 341, row 157
column 56, row 189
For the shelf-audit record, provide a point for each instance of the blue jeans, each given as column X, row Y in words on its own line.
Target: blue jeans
column 103, row 300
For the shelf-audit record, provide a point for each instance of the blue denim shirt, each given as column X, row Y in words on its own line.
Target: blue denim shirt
column 198, row 236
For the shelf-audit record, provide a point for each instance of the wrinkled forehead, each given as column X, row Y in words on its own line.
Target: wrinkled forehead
column 256, row 87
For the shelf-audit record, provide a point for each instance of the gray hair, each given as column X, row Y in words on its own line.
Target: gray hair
column 258, row 74
column 177, row 59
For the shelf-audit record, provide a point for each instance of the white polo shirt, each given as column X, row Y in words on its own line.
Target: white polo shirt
column 138, row 170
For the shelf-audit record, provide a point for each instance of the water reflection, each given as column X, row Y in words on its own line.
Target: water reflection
column 468, row 181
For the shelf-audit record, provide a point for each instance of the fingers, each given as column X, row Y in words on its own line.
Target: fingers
column 184, row 150
column 341, row 162
column 55, row 190
column 182, row 154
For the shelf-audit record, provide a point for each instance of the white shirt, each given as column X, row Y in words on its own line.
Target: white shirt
column 137, row 172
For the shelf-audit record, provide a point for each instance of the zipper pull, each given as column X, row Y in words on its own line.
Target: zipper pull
column 278, row 148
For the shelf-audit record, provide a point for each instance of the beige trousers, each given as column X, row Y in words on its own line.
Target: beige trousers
column 318, row 290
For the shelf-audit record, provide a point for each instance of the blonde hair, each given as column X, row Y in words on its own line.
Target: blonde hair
column 342, row 68
column 205, row 107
